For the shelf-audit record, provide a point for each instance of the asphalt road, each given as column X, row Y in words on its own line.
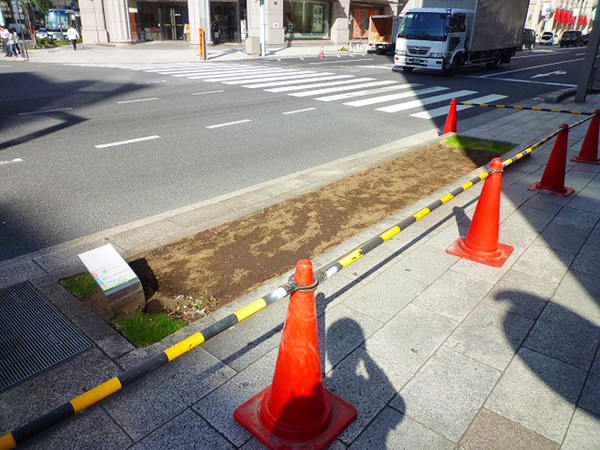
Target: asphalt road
column 86, row 148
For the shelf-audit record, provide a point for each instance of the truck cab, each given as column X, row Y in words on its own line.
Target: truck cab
column 431, row 38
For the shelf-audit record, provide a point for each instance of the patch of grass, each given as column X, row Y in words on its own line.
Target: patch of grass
column 81, row 285
column 146, row 329
column 478, row 144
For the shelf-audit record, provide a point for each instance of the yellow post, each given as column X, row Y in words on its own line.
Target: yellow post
column 202, row 44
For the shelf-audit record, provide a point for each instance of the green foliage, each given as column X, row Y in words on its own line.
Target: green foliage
column 146, row 329
column 478, row 144
column 81, row 285
column 43, row 5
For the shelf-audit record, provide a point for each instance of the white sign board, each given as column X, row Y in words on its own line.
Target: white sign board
column 546, row 9
column 108, row 268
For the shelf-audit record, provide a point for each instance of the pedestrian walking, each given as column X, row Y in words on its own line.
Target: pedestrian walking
column 12, row 42
column 4, row 35
column 73, row 35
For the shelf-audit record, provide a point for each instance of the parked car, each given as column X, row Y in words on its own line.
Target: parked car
column 586, row 38
column 41, row 33
column 573, row 38
column 548, row 38
column 528, row 39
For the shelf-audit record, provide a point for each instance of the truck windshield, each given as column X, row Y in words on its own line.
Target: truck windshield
column 426, row 26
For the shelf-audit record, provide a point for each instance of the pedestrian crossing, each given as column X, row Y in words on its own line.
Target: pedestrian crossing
column 385, row 96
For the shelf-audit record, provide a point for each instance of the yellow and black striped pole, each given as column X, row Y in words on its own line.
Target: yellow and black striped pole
column 25, row 432
column 526, row 108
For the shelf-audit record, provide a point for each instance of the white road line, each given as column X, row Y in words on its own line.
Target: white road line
column 208, row 92
column 12, row 161
column 228, row 123
column 389, row 98
column 517, row 80
column 424, row 101
column 234, row 73
column 343, row 88
column 305, row 80
column 442, row 111
column 299, row 111
column 5, row 66
column 44, row 112
column 347, row 95
column 271, row 78
column 579, row 54
column 232, row 76
column 138, row 100
column 229, row 73
column 342, row 62
column 531, row 67
column 311, row 86
column 129, row 141
column 151, row 82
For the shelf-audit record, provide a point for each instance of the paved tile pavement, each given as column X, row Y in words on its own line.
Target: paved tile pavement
column 434, row 351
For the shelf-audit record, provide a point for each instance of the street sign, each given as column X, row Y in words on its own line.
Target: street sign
column 108, row 268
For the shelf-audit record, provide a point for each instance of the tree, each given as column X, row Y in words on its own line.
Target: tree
column 43, row 6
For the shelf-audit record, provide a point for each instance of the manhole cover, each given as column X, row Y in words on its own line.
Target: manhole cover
column 33, row 334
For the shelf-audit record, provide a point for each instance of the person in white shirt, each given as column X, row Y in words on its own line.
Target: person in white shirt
column 12, row 42
column 4, row 35
column 73, row 35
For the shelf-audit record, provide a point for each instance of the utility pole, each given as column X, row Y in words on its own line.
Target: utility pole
column 62, row 37
column 588, row 68
column 263, row 29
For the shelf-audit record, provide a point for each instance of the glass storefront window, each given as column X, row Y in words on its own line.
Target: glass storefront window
column 305, row 19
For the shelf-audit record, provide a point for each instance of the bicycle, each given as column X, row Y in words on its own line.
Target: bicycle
column 357, row 46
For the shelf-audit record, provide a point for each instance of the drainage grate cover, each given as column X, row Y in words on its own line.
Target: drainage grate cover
column 33, row 334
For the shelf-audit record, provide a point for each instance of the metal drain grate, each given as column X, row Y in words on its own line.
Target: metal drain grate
column 33, row 334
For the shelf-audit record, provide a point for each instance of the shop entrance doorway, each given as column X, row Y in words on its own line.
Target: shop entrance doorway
column 161, row 21
column 224, row 21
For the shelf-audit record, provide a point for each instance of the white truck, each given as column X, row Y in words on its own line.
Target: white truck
column 382, row 33
column 448, row 34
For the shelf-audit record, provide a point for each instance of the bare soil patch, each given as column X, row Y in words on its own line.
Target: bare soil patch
column 198, row 274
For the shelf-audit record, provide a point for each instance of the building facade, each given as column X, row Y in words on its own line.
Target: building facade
column 286, row 21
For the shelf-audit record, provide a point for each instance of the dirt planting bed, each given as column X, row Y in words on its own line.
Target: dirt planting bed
column 198, row 274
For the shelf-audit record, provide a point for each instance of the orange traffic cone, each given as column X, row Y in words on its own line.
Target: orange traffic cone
column 296, row 411
column 321, row 53
column 481, row 243
column 589, row 149
column 553, row 180
column 451, row 119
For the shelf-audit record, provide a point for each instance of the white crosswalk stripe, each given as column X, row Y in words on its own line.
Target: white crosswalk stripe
column 320, row 86
column 305, row 80
column 317, row 85
column 347, row 95
column 433, row 113
column 389, row 98
column 424, row 101
column 342, row 88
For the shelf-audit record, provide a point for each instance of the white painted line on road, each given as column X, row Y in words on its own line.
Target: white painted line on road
column 389, row 98
column 529, row 68
column 579, row 54
column 228, row 123
column 442, row 111
column 517, row 80
column 44, row 112
column 151, row 82
column 130, row 141
column 424, row 101
column 310, row 86
column 208, row 92
column 317, row 77
column 348, row 95
column 342, row 88
column 299, row 111
column 250, row 80
column 12, row 161
column 342, row 62
column 138, row 100
column 5, row 66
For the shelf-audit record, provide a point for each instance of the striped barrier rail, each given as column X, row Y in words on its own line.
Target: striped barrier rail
column 34, row 427
column 526, row 108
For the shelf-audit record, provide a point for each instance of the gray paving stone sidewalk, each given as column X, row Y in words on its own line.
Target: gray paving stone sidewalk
column 435, row 352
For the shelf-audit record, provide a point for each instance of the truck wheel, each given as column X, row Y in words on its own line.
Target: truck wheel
column 495, row 64
column 408, row 69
